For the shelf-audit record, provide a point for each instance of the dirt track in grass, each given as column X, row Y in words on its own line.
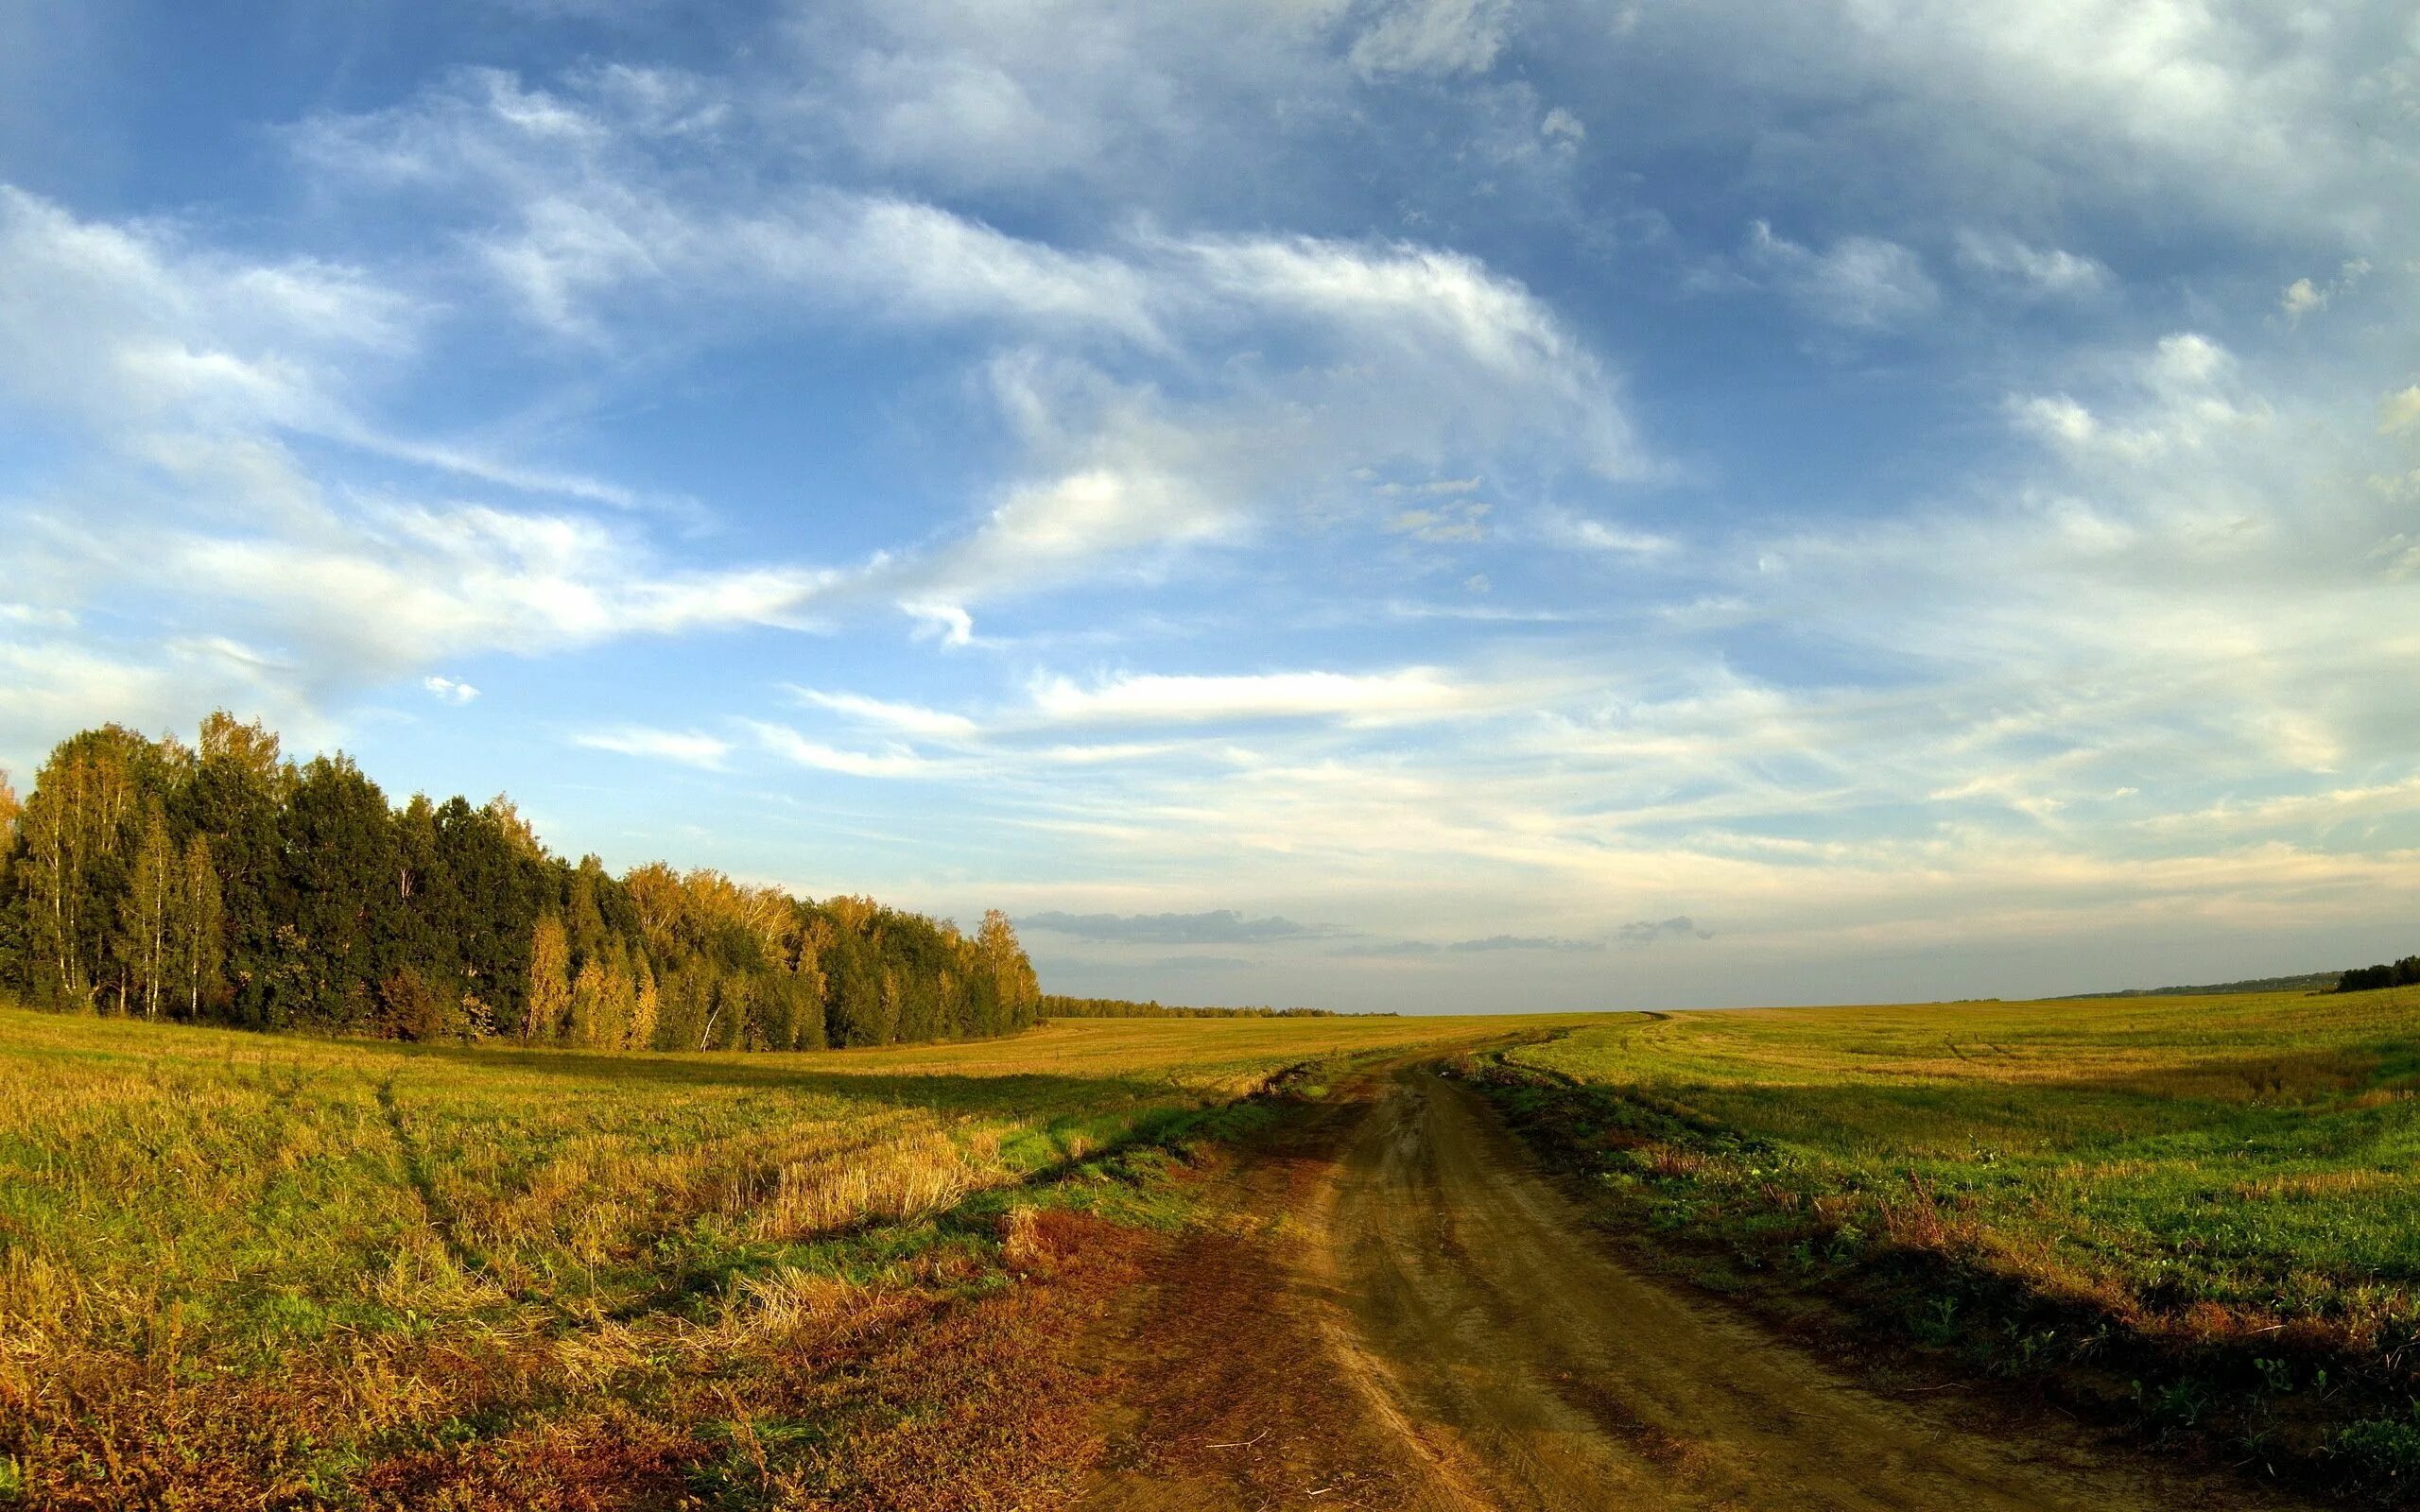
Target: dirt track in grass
column 1404, row 1314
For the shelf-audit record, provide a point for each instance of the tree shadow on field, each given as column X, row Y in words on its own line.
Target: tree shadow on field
column 2300, row 1076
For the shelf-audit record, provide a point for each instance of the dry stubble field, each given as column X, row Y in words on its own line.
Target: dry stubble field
column 248, row 1271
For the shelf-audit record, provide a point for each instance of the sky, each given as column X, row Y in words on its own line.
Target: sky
column 1399, row 503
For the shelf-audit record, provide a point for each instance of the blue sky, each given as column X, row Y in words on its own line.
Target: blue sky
column 1405, row 504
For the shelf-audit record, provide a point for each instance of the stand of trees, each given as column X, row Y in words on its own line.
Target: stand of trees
column 1055, row 1006
column 221, row 883
column 2371, row 978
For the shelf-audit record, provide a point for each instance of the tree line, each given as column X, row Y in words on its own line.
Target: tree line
column 2371, row 978
column 223, row 882
column 1055, row 1006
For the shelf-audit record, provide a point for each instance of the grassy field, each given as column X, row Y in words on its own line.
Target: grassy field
column 242, row 1270
column 2201, row 1210
column 239, row 1270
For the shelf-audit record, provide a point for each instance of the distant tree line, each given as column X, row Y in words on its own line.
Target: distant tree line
column 2303, row 982
column 2370, row 978
column 1055, row 1006
column 222, row 883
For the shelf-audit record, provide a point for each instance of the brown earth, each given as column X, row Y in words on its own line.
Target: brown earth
column 1404, row 1314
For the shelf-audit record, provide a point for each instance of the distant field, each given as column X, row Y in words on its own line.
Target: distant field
column 2212, row 1202
column 239, row 1269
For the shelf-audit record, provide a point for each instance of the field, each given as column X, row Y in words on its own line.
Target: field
column 244, row 1270
column 2203, row 1212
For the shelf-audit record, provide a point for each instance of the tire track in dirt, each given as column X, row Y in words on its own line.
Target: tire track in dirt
column 1426, row 1309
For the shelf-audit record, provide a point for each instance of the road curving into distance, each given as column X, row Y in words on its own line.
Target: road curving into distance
column 1473, row 1348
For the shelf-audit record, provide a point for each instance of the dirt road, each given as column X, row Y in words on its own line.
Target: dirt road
column 1427, row 1326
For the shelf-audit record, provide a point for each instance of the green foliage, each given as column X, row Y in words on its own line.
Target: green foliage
column 221, row 883
column 2404, row 972
column 2383, row 1449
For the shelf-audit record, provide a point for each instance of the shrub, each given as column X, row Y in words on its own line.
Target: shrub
column 410, row 1008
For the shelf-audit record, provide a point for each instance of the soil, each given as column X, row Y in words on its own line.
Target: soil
column 1403, row 1313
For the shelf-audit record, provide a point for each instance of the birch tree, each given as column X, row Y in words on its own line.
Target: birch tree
column 195, row 925
column 549, row 995
column 641, row 1034
column 143, row 913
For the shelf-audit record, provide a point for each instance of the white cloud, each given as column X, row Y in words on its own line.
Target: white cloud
column 792, row 746
column 2213, row 112
column 2177, row 593
column 604, row 208
column 879, row 259
column 2309, row 814
column 445, row 689
column 1441, row 322
column 1421, row 358
column 368, row 584
column 1434, row 487
column 184, row 355
column 1047, row 532
column 685, row 746
column 50, row 686
column 2039, row 270
column 1595, row 535
column 2172, row 604
column 1452, row 525
column 1859, row 282
column 2304, row 298
column 124, row 330
column 2056, row 417
column 1433, row 37
column 1412, row 693
column 2184, row 395
column 2174, row 611
column 908, row 719
column 1399, row 354
column 197, row 373
column 462, row 579
column 1094, row 93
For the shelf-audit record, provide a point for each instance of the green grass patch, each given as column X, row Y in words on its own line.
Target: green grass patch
column 2202, row 1212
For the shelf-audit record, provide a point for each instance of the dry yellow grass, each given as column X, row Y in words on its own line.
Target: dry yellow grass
column 240, row 1268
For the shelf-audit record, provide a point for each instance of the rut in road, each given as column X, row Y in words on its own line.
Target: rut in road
column 1477, row 1350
